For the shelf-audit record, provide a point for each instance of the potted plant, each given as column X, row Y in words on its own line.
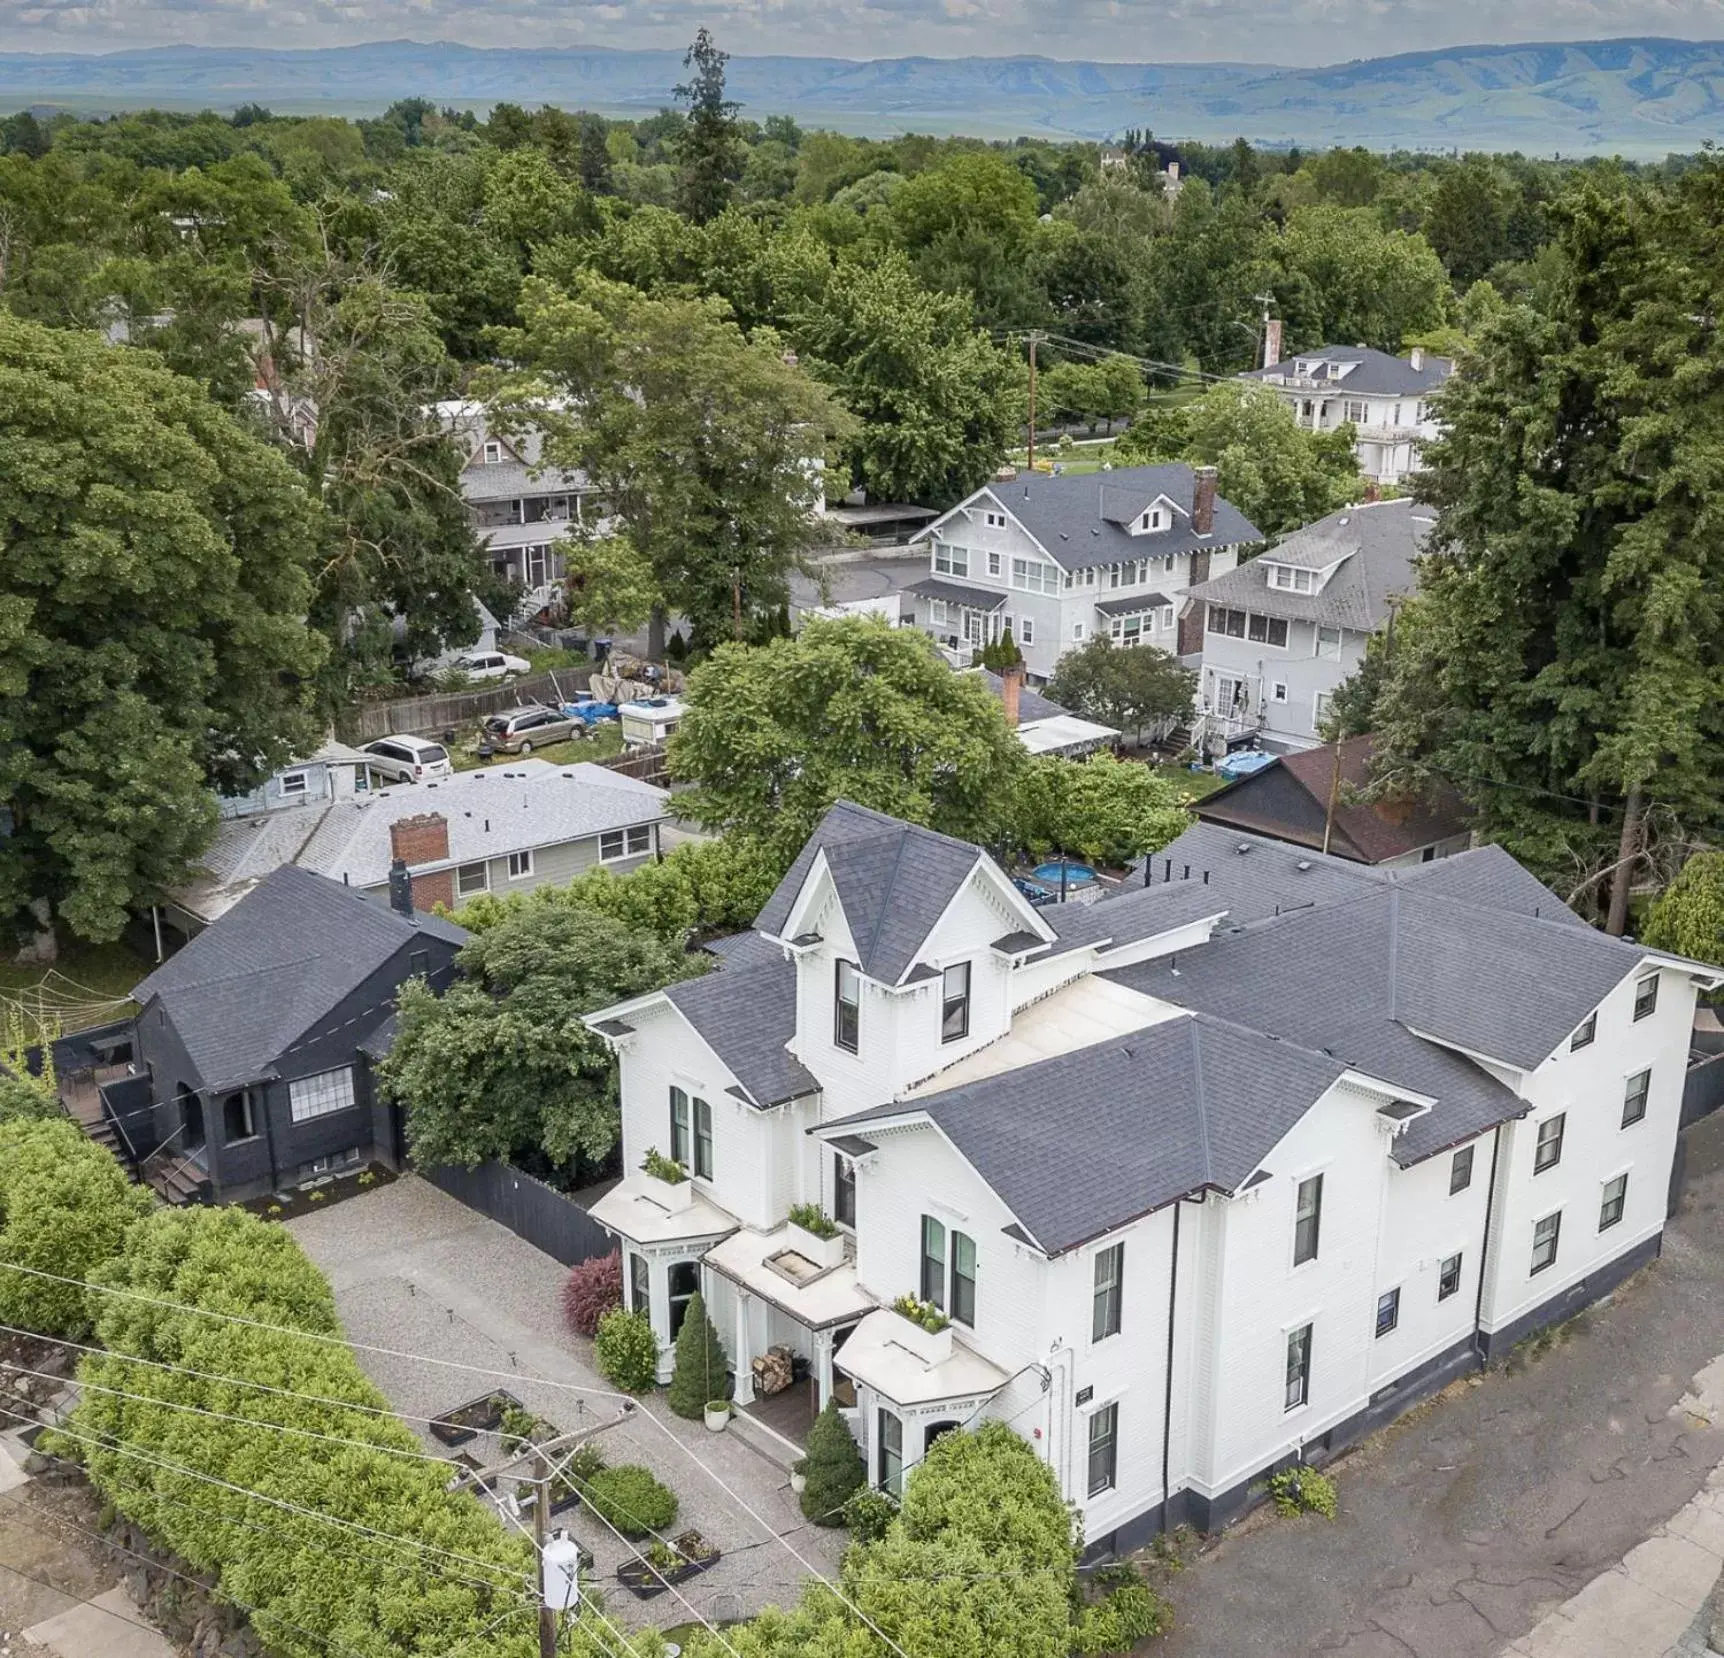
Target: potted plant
column 669, row 1181
column 717, row 1415
column 927, row 1332
column 799, row 1475
column 815, row 1235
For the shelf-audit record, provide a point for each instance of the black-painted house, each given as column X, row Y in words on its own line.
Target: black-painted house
column 252, row 1055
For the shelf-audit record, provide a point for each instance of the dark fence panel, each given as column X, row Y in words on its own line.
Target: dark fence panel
column 427, row 716
column 546, row 1218
column 1703, row 1091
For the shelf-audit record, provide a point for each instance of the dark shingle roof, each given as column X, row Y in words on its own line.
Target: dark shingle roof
column 1264, row 878
column 1032, row 705
column 1132, row 914
column 1374, row 373
column 1375, row 546
column 1132, row 606
column 1080, row 1144
column 1080, row 520
column 977, row 598
column 241, row 991
column 745, row 1011
column 894, row 880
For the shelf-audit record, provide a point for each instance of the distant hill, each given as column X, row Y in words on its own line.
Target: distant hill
column 1641, row 97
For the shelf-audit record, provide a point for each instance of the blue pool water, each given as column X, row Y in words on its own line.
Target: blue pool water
column 1076, row 875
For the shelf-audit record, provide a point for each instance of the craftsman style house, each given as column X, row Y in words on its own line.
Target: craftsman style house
column 1185, row 1184
column 1061, row 560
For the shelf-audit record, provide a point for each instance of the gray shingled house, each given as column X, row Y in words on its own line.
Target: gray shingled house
column 252, row 1054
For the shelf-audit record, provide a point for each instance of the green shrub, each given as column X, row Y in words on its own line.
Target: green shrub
column 626, row 1350
column 924, row 1313
column 702, row 1373
column 869, row 1514
column 663, row 1168
column 1131, row 1613
column 578, row 1468
column 65, row 1204
column 1302, row 1490
column 833, row 1468
column 812, row 1218
column 629, row 1498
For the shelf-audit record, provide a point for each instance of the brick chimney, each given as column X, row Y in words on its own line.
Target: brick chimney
column 1272, row 342
column 420, row 840
column 1011, row 687
column 1203, row 499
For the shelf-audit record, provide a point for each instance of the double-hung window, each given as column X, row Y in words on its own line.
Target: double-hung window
column 472, row 878
column 1267, row 630
column 847, row 1007
column 1329, row 644
column 1307, row 1219
column 703, row 1139
column 1588, row 1030
column 950, row 560
column 891, row 1454
column 1614, row 1199
column 843, row 1189
column 1646, row 996
column 1634, row 1097
column 640, row 1297
column 1109, row 1288
column 1547, row 1153
column 963, row 1303
column 625, row 843
column 1449, row 1277
column 1298, row 1384
column 1388, row 1311
column 1461, row 1171
column 955, row 1003
column 1103, row 1449
column 680, row 1126
column 1544, row 1241
column 520, row 865
column 933, row 1262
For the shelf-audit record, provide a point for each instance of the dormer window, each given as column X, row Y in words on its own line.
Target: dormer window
column 1291, row 579
column 847, row 1007
column 994, row 520
column 493, row 454
column 1154, row 519
column 955, row 1003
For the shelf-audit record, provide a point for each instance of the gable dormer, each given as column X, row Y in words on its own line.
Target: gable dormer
column 1136, row 512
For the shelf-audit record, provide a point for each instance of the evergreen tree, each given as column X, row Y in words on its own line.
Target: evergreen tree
column 595, row 159
column 833, row 1468
column 709, row 146
column 702, row 1366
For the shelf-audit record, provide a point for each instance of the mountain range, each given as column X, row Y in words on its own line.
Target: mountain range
column 1640, row 97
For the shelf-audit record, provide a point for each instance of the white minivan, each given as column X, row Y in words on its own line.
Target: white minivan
column 409, row 760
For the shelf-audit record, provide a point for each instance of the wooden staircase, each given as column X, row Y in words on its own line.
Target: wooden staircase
column 176, row 1177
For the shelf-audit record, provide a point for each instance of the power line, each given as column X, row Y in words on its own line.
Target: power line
column 81, row 1600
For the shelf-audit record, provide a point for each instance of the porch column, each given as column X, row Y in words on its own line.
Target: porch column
column 823, row 1367
column 744, row 1369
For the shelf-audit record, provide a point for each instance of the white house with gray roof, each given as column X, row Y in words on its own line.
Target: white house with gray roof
column 1281, row 633
column 1060, row 560
column 1386, row 399
column 1209, row 1176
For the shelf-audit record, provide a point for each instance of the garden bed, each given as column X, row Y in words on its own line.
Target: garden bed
column 662, row 1564
column 477, row 1416
column 308, row 1199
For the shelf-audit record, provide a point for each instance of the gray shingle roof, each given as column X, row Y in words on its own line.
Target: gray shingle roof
column 1032, row 705
column 1374, row 373
column 241, row 991
column 977, row 598
column 1131, row 607
column 1376, row 545
column 1078, row 520
column 1080, row 1144
column 745, row 1011
column 1131, row 914
column 894, row 880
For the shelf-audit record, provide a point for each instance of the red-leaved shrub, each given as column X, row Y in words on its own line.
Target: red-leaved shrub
column 594, row 1287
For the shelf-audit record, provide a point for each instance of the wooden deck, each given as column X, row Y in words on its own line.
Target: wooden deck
column 790, row 1413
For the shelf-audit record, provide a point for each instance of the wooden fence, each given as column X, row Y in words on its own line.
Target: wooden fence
column 432, row 716
column 541, row 1215
column 645, row 765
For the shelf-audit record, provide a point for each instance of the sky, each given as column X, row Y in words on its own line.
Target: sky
column 1293, row 32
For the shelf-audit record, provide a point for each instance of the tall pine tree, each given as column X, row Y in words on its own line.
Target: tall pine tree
column 709, row 146
column 1562, row 661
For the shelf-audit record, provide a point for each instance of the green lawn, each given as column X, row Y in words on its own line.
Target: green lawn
column 1192, row 785
column 606, row 741
column 81, row 989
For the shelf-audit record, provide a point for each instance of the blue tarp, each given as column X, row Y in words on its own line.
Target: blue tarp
column 1243, row 764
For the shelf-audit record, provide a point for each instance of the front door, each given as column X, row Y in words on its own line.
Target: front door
column 684, row 1281
column 973, row 623
column 191, row 1120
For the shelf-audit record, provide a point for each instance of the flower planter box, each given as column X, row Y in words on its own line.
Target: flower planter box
column 644, row 1580
column 823, row 1252
column 930, row 1346
column 477, row 1416
column 677, row 1198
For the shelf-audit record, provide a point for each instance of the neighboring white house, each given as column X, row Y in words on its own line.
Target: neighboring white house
column 1058, row 560
column 1388, row 399
column 1283, row 631
column 505, row 828
column 1205, row 1177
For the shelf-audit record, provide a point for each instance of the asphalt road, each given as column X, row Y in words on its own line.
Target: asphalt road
column 1462, row 1525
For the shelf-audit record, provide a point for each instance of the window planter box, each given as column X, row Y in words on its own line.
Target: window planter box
column 823, row 1252
column 477, row 1416
column 930, row 1346
column 645, row 1581
column 677, row 1199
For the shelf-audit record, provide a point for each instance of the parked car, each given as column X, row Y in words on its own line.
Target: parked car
column 409, row 759
column 498, row 665
column 521, row 730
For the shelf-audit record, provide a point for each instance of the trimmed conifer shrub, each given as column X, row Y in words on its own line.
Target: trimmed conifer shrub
column 832, row 1467
column 702, row 1369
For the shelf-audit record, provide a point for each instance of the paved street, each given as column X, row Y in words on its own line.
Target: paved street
column 1463, row 1527
column 421, row 1274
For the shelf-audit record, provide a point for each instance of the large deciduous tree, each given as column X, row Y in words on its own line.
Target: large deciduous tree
column 1568, row 646
column 155, row 573
column 773, row 734
column 1125, row 688
column 706, row 444
column 1109, row 811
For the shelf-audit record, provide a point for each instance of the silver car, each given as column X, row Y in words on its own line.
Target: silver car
column 521, row 730
column 409, row 760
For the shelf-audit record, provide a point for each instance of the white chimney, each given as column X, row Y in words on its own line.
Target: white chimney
column 1418, row 358
column 1272, row 342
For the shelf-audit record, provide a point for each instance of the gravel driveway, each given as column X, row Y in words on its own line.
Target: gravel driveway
column 417, row 1272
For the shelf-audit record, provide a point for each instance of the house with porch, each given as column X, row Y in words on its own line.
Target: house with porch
column 250, row 1061
column 1061, row 560
column 1387, row 400
column 1279, row 635
column 1133, row 1177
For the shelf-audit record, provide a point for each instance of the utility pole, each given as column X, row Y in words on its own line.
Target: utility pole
column 736, row 602
column 1035, row 339
column 1334, row 791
